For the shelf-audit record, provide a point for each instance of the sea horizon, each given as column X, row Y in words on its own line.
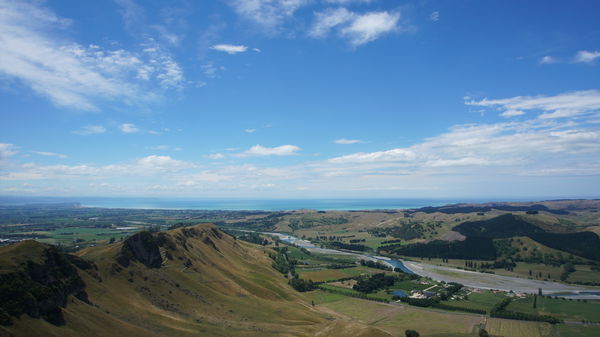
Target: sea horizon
column 250, row 204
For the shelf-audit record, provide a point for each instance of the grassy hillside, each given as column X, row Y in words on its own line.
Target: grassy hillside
column 203, row 282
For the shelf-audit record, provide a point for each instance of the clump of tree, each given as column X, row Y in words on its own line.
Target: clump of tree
column 372, row 283
column 281, row 262
column 472, row 248
column 411, row 333
column 301, row 285
column 568, row 268
column 407, row 231
column 347, row 246
column 374, row 264
column 310, row 221
column 253, row 238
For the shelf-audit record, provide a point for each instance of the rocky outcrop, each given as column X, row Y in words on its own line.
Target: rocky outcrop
column 142, row 247
column 40, row 290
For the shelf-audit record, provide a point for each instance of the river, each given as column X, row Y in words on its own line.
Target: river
column 468, row 278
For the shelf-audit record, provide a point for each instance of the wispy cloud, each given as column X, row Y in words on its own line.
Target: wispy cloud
column 216, row 156
column 269, row 14
column 569, row 104
column 468, row 157
column 347, row 141
column 90, row 130
column 6, row 150
column 357, row 28
column 512, row 147
column 164, row 148
column 584, row 56
column 147, row 166
column 250, row 130
column 128, row 128
column 548, row 60
column 347, row 2
column 71, row 74
column 434, row 16
column 230, row 48
column 50, row 154
column 261, row 151
column 210, row 70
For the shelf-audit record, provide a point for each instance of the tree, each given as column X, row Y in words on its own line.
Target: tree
column 483, row 333
column 569, row 267
column 534, row 301
column 411, row 333
column 112, row 240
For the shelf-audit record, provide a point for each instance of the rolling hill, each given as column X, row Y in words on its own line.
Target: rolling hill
column 484, row 237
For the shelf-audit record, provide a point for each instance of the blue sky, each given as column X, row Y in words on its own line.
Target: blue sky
column 300, row 98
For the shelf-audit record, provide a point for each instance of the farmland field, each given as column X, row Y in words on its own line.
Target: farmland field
column 510, row 328
column 577, row 331
column 396, row 319
column 484, row 300
column 324, row 274
column 561, row 308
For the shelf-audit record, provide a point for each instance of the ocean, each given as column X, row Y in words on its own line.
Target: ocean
column 239, row 204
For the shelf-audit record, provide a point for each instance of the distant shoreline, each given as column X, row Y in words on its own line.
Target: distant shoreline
column 325, row 204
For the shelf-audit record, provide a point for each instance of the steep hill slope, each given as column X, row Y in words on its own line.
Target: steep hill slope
column 194, row 281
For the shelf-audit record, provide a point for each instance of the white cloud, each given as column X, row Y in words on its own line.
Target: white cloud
column 250, row 130
column 50, row 154
column 358, row 29
column 269, row 14
column 216, row 156
column 379, row 156
column 347, row 141
column 209, row 69
column 512, row 113
column 435, row 16
column 370, row 26
column 205, row 177
column 569, row 104
column 548, row 60
column 159, row 164
column 128, row 128
column 260, row 151
column 257, row 50
column 503, row 148
column 164, row 148
column 328, row 19
column 73, row 75
column 6, row 150
column 346, row 2
column 584, row 56
column 90, row 130
column 147, row 166
column 230, row 48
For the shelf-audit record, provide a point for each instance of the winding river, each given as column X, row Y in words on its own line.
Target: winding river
column 468, row 278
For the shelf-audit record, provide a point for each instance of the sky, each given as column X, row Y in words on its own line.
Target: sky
column 300, row 98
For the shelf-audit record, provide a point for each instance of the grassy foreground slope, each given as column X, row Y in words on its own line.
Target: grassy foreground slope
column 194, row 281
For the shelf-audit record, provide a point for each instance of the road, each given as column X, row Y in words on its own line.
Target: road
column 506, row 283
